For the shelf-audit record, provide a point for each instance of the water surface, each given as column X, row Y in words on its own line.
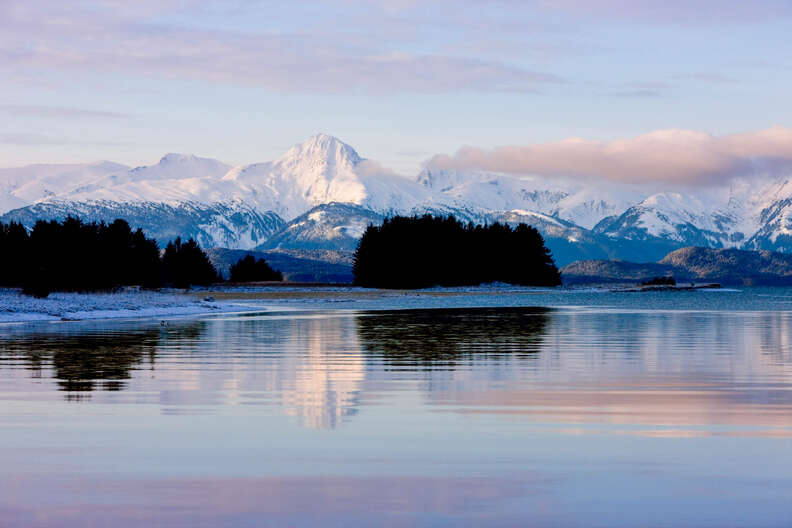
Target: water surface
column 565, row 416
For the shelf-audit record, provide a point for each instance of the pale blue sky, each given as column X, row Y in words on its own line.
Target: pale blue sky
column 400, row 81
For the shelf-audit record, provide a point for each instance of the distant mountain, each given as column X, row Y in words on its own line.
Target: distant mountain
column 734, row 266
column 618, row 271
column 726, row 266
column 566, row 200
column 321, row 194
column 24, row 185
column 749, row 213
column 677, row 217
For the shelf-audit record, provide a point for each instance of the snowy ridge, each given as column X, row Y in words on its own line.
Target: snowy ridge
column 571, row 201
column 221, row 224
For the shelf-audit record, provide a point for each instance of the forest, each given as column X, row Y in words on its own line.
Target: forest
column 425, row 251
column 73, row 255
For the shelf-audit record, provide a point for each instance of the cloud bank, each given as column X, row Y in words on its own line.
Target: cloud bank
column 670, row 156
column 357, row 53
column 368, row 46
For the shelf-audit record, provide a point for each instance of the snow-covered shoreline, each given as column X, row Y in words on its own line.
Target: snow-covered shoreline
column 62, row 306
column 133, row 303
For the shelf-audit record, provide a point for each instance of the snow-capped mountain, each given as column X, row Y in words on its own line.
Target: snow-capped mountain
column 324, row 170
column 25, row 185
column 322, row 194
column 749, row 213
column 674, row 216
column 581, row 205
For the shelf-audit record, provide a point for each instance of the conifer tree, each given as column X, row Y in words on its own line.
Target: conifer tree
column 250, row 269
column 185, row 264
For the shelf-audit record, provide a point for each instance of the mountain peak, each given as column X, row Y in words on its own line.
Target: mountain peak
column 178, row 166
column 174, row 157
column 323, row 148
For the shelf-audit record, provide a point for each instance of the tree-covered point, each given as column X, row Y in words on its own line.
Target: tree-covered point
column 248, row 269
column 420, row 252
column 77, row 256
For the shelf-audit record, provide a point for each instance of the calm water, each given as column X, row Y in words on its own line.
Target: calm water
column 566, row 416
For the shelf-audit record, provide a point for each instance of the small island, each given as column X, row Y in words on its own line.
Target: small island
column 660, row 281
column 669, row 283
column 421, row 252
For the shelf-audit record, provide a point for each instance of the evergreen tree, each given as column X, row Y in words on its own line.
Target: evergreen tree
column 248, row 269
column 14, row 250
column 185, row 264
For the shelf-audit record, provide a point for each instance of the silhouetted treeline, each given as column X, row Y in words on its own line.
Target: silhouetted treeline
column 185, row 264
column 76, row 256
column 420, row 252
column 248, row 269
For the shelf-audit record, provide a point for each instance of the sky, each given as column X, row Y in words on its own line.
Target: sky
column 515, row 85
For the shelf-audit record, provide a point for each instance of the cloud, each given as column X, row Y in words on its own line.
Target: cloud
column 674, row 156
column 706, row 77
column 636, row 93
column 40, row 140
column 134, row 38
column 318, row 46
column 59, row 112
column 696, row 12
column 699, row 12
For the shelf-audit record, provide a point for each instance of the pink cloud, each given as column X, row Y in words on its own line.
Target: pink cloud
column 679, row 156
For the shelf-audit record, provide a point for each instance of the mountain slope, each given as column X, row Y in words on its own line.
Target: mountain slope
column 733, row 266
column 233, row 224
column 24, row 185
column 332, row 226
column 725, row 266
column 619, row 271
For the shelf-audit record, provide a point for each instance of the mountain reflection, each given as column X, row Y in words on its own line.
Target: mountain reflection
column 441, row 338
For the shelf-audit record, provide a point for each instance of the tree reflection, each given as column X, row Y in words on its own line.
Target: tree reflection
column 82, row 363
column 440, row 338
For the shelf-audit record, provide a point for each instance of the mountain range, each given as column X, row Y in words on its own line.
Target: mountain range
column 321, row 195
